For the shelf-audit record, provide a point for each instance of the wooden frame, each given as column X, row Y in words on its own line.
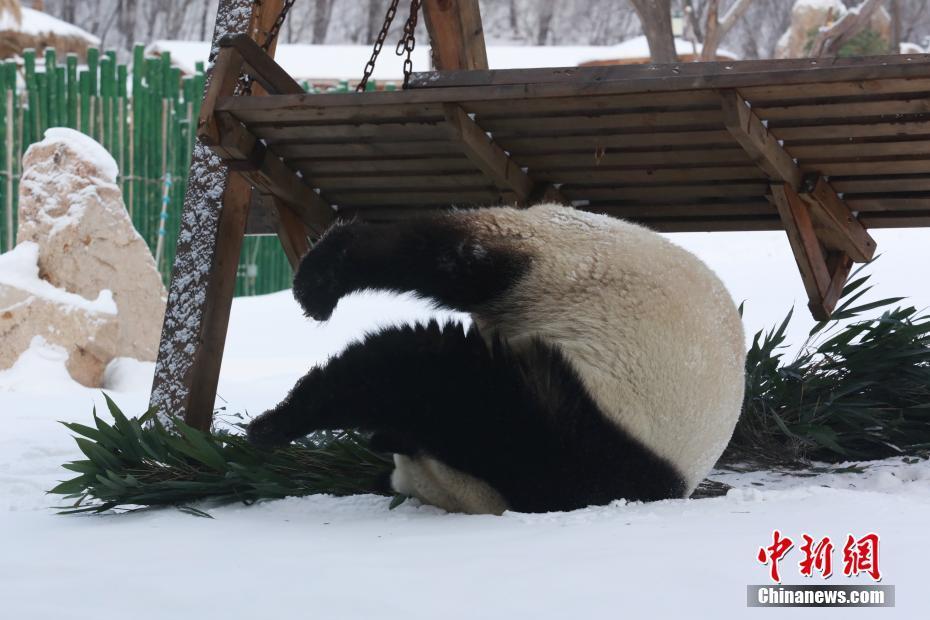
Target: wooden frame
column 820, row 149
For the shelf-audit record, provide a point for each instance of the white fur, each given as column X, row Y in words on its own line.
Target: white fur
column 650, row 329
column 436, row 483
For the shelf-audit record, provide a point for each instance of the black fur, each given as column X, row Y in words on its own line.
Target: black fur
column 522, row 422
column 436, row 258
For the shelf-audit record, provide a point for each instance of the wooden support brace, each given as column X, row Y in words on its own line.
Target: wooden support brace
column 761, row 146
column 487, row 155
column 249, row 157
column 836, row 225
column 825, row 236
column 823, row 271
column 262, row 68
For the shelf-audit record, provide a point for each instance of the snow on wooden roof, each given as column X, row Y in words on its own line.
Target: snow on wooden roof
column 345, row 62
column 37, row 23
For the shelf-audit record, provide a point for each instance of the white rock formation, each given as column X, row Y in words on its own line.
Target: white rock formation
column 71, row 207
column 32, row 308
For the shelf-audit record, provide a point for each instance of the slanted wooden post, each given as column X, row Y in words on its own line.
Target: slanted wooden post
column 204, row 275
column 826, row 237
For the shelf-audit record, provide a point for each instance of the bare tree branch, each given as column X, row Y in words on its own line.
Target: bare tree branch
column 715, row 30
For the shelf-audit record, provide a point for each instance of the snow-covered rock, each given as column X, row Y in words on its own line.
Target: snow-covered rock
column 807, row 16
column 72, row 208
column 34, row 313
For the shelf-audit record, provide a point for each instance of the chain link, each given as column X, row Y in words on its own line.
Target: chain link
column 379, row 42
column 408, row 40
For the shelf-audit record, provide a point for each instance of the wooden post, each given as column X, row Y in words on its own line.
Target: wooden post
column 456, row 34
column 203, row 279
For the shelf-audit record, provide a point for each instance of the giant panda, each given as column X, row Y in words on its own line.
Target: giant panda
column 602, row 362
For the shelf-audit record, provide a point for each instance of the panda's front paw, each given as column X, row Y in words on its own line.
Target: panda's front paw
column 322, row 277
column 263, row 432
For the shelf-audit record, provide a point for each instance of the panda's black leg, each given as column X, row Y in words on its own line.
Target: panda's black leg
column 522, row 422
column 442, row 258
column 425, row 389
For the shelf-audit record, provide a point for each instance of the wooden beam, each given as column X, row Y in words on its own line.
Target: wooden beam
column 261, row 66
column 761, row 146
column 837, row 226
column 823, row 279
column 487, row 155
column 212, row 230
column 456, row 34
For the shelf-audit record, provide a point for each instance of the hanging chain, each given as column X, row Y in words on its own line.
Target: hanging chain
column 408, row 40
column 276, row 26
column 379, row 42
column 404, row 46
column 244, row 86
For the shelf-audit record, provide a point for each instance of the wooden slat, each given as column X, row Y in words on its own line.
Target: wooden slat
column 605, row 175
column 586, row 104
column 352, row 167
column 361, row 151
column 854, row 151
column 920, row 202
column 689, row 76
column 896, row 220
column 397, row 182
column 556, row 125
column 879, row 185
column 845, row 110
column 761, row 146
column 488, row 156
column 225, row 72
column 355, row 133
column 907, row 166
column 707, row 224
column 645, row 159
column 639, row 211
column 400, row 199
column 775, row 94
column 667, row 192
column 313, row 109
column 614, row 140
column 845, row 131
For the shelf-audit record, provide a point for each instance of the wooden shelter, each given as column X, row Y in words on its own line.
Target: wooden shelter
column 823, row 149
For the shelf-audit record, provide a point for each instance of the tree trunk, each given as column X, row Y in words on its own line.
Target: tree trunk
column 322, row 13
column 716, row 28
column 656, row 17
column 546, row 13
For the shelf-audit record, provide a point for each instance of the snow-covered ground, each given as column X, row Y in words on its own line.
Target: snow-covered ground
column 354, row 558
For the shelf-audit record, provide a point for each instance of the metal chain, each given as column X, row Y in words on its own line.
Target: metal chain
column 276, row 26
column 379, row 42
column 244, row 85
column 408, row 40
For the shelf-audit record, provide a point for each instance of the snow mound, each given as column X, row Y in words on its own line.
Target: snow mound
column 38, row 23
column 85, row 147
column 19, row 268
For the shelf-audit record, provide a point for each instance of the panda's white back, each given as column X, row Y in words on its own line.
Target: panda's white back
column 652, row 332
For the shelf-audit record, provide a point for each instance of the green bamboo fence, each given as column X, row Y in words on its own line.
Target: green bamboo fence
column 145, row 115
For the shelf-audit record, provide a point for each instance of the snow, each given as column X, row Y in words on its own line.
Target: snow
column 86, row 148
column 345, row 62
column 38, row 23
column 19, row 268
column 355, row 558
